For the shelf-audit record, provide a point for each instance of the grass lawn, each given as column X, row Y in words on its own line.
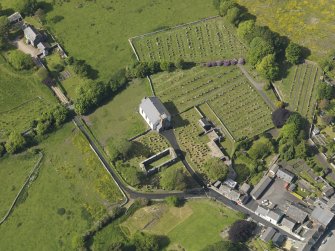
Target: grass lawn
column 180, row 225
column 14, row 171
column 303, row 22
column 71, row 177
column 19, row 98
column 120, row 117
column 204, row 41
column 300, row 88
column 98, row 31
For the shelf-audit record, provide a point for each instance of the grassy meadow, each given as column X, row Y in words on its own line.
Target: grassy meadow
column 22, row 98
column 309, row 23
column 181, row 225
column 71, row 192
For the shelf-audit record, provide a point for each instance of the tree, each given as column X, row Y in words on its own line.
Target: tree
column 181, row 64
column 27, row 7
column 225, row 6
column 173, row 179
column 15, row 142
column 259, row 48
column 60, row 115
column 280, row 116
column 145, row 242
column 167, row 66
column 280, row 104
column 19, row 60
column 241, row 231
column 40, row 14
column 286, row 150
column 260, row 148
column 325, row 91
column 294, row 53
column 216, row 169
column 4, row 26
column 173, row 201
column 268, row 67
column 233, row 15
column 246, row 30
column 301, row 150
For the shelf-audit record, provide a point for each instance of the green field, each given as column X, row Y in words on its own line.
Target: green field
column 203, row 41
column 309, row 23
column 300, row 88
column 70, row 177
column 14, row 171
column 180, row 225
column 22, row 98
column 227, row 92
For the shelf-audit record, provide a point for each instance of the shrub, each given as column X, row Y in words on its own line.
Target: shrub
column 173, row 179
column 173, row 201
column 19, row 60
column 294, row 53
column 15, row 142
column 61, row 211
column 215, row 169
column 42, row 73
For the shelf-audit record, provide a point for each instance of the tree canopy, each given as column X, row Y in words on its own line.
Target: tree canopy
column 145, row 242
column 20, row 60
column 294, row 53
column 233, row 15
column 268, row 67
column 260, row 148
column 259, row 48
column 225, row 6
column 325, row 91
column 15, row 142
column 246, row 30
column 216, row 169
column 241, row 231
column 27, row 7
column 173, row 179
column 280, row 116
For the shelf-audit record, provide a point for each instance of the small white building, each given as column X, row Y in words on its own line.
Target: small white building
column 155, row 113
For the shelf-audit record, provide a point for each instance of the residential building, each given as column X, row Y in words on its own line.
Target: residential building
column 260, row 188
column 273, row 169
column 288, row 224
column 155, row 113
column 328, row 191
column 268, row 234
column 245, row 188
column 322, row 215
column 278, row 239
column 44, row 48
column 262, row 211
column 32, row 36
column 15, row 18
column 274, row 216
column 297, row 213
column 285, row 175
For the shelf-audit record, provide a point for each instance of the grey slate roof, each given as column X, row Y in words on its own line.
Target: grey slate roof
column 278, row 239
column 268, row 234
column 30, row 33
column 328, row 191
column 285, row 175
column 14, row 17
column 323, row 216
column 288, row 223
column 154, row 109
column 261, row 187
column 275, row 214
column 245, row 188
column 274, row 168
column 296, row 213
column 261, row 210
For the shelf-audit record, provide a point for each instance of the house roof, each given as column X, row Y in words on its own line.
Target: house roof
column 14, row 17
column 245, row 188
column 275, row 214
column 268, row 234
column 323, row 216
column 288, row 223
column 43, row 46
column 296, row 213
column 328, row 191
column 285, row 175
column 274, row 168
column 261, row 187
column 230, row 183
column 278, row 239
column 31, row 33
column 261, row 211
column 154, row 109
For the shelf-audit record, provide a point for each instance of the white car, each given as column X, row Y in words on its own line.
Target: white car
column 324, row 241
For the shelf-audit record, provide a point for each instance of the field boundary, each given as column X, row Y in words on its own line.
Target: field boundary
column 22, row 104
column 29, row 178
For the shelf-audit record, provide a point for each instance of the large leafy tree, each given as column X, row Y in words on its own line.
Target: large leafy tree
column 268, row 67
column 173, row 179
column 145, row 242
column 27, row 7
column 246, row 30
column 225, row 6
column 294, row 53
column 260, row 148
column 15, row 142
column 241, row 231
column 233, row 15
column 215, row 169
column 259, row 48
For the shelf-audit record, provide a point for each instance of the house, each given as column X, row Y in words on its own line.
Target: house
column 205, row 124
column 288, row 224
column 245, row 188
column 273, row 169
column 285, row 175
column 155, row 113
column 217, row 184
column 260, row 188
column 328, row 191
column 323, row 216
column 230, row 183
column 297, row 213
column 274, row 216
column 278, row 239
column 44, row 48
column 316, row 131
column 32, row 36
column 261, row 211
column 15, row 18
column 331, row 203
column 268, row 234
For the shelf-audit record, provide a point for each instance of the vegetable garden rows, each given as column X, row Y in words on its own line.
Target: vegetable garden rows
column 202, row 41
column 303, row 91
column 227, row 92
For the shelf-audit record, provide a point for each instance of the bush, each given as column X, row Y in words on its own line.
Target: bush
column 173, row 179
column 173, row 201
column 261, row 148
column 15, row 143
column 42, row 73
column 225, row 6
column 294, row 53
column 19, row 60
column 233, row 15
column 241, row 231
column 145, row 242
column 167, row 66
column 215, row 169
column 61, row 211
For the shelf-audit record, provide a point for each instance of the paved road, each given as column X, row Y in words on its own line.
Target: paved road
column 258, row 87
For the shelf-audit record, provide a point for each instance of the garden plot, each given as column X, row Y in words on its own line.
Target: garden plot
column 299, row 89
column 232, row 99
column 202, row 41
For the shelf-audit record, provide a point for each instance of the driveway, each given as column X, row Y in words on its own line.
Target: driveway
column 25, row 48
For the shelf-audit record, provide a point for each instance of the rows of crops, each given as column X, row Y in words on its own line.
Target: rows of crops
column 302, row 82
column 207, row 40
column 226, row 90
